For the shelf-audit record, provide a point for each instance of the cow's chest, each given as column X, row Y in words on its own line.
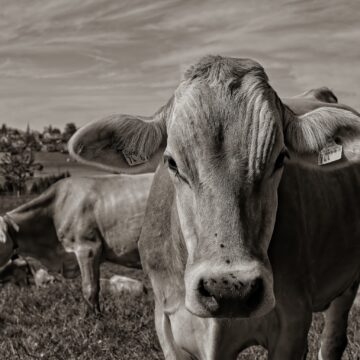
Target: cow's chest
column 213, row 339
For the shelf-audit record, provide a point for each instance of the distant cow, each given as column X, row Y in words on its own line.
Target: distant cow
column 96, row 218
column 241, row 249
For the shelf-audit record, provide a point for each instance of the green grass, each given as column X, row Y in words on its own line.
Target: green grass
column 48, row 323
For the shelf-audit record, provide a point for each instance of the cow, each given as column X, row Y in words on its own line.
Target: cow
column 77, row 224
column 239, row 247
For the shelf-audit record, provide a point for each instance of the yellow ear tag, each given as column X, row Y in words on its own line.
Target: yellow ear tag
column 134, row 159
column 330, row 154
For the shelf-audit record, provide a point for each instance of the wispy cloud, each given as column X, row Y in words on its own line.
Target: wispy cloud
column 66, row 61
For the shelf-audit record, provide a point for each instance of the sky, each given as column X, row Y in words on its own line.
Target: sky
column 76, row 61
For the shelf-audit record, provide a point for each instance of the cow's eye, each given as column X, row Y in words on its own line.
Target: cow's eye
column 280, row 161
column 171, row 163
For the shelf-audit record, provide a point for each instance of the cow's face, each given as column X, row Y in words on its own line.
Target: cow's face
column 225, row 153
column 224, row 137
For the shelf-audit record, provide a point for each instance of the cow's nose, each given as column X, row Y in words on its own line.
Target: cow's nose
column 229, row 293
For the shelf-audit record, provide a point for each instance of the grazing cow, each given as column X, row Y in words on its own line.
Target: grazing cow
column 96, row 218
column 240, row 251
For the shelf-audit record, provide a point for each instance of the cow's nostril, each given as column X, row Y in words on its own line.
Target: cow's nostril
column 202, row 288
column 256, row 288
column 256, row 284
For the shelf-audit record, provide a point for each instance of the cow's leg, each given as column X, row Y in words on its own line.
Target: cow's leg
column 290, row 342
column 88, row 256
column 334, row 338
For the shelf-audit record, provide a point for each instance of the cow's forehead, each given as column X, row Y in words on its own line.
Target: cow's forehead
column 228, row 110
column 222, row 69
column 218, row 91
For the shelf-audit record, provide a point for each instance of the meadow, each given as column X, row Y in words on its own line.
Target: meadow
column 49, row 323
column 55, row 163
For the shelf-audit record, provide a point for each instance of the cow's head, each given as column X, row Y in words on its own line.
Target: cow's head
column 224, row 137
column 7, row 245
column 51, row 252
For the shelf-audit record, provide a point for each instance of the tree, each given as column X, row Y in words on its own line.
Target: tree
column 69, row 131
column 3, row 129
column 48, row 129
column 31, row 141
column 51, row 130
column 55, row 131
column 17, row 167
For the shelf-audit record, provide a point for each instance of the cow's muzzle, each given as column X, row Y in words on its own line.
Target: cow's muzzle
column 234, row 293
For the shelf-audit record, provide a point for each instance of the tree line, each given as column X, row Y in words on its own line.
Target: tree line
column 17, row 160
column 50, row 139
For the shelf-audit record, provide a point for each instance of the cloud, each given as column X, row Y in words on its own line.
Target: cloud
column 66, row 60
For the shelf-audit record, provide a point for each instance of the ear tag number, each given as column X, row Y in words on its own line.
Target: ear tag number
column 134, row 159
column 330, row 154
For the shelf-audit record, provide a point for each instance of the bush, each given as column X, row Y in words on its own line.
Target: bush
column 17, row 167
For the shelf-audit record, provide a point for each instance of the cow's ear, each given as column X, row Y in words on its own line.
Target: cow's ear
column 326, row 137
column 121, row 143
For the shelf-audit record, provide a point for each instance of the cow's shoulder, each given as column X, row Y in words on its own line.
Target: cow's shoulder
column 74, row 206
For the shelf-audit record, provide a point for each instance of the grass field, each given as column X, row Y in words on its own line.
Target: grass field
column 47, row 323
column 56, row 163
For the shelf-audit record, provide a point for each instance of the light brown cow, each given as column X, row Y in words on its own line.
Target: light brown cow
column 228, row 232
column 94, row 218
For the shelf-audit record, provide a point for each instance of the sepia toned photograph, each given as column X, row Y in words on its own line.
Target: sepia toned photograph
column 179, row 180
